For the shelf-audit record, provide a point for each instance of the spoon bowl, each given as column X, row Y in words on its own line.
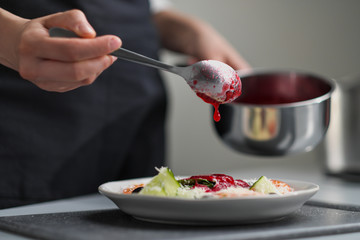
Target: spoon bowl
column 214, row 79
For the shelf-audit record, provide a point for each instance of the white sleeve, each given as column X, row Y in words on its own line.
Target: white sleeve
column 159, row 5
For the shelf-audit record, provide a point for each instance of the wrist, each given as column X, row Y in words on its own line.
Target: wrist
column 11, row 27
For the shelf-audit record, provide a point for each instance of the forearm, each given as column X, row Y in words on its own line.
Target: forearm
column 10, row 27
column 193, row 37
column 177, row 30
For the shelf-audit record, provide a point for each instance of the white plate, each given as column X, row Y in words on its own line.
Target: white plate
column 247, row 209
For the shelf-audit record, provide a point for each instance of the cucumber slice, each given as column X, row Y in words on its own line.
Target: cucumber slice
column 264, row 185
column 163, row 184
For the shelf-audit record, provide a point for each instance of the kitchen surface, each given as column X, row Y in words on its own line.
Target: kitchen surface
column 94, row 216
column 320, row 37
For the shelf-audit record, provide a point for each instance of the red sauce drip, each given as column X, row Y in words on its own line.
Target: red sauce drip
column 216, row 116
column 230, row 92
column 216, row 104
column 222, row 181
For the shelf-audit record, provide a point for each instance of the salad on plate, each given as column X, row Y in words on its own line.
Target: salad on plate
column 165, row 184
column 207, row 199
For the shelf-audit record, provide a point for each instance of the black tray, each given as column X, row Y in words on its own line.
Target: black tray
column 313, row 219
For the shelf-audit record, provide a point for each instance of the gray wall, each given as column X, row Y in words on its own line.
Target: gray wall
column 321, row 36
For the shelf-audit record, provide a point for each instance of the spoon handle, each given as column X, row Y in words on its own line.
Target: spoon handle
column 128, row 55
column 121, row 53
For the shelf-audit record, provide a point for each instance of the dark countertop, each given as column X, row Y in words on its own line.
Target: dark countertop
column 332, row 190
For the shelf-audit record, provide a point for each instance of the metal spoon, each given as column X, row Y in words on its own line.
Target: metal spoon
column 212, row 80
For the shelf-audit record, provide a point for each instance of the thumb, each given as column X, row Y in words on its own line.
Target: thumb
column 73, row 20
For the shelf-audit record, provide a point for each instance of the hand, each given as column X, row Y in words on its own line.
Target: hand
column 197, row 39
column 208, row 44
column 62, row 64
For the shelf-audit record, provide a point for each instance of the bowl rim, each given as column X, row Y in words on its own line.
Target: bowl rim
column 257, row 71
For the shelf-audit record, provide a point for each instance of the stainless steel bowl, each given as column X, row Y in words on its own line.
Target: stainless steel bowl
column 279, row 113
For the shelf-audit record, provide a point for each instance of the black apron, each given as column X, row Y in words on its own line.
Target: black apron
column 57, row 145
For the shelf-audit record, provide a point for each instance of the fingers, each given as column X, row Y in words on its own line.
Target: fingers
column 226, row 54
column 217, row 49
column 61, row 75
column 63, row 64
column 73, row 49
column 60, row 87
column 73, row 20
column 236, row 61
column 73, row 72
column 70, row 49
column 57, row 86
